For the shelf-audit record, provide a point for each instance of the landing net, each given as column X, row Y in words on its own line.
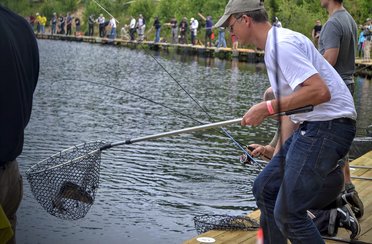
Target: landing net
column 65, row 184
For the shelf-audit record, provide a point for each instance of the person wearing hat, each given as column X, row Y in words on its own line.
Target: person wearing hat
column 194, row 24
column 38, row 25
column 141, row 26
column 293, row 181
column 101, row 22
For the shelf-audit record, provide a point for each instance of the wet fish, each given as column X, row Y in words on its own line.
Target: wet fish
column 73, row 191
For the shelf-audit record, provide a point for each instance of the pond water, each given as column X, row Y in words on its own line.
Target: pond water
column 149, row 191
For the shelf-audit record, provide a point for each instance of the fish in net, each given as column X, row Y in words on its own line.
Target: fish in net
column 65, row 184
column 205, row 223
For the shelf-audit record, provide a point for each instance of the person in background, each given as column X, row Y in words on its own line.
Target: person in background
column 141, row 26
column 277, row 23
column 77, row 26
column 32, row 21
column 368, row 40
column 235, row 42
column 68, row 24
column 293, row 181
column 174, row 28
column 91, row 22
column 61, row 25
column 38, row 20
column 337, row 43
column 183, row 30
column 113, row 28
column 157, row 26
column 315, row 33
column 101, row 22
column 221, row 37
column 19, row 66
column 208, row 31
column 360, row 42
column 132, row 28
column 194, row 24
column 53, row 23
column 124, row 33
column 43, row 21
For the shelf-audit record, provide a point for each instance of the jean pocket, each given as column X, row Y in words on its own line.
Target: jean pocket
column 330, row 153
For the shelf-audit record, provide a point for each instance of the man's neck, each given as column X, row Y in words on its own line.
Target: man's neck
column 261, row 38
column 334, row 7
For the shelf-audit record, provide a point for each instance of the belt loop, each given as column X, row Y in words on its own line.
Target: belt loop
column 330, row 124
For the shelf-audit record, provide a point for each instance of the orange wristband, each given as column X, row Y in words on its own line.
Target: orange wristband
column 270, row 107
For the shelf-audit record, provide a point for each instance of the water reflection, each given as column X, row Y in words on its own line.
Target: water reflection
column 149, row 191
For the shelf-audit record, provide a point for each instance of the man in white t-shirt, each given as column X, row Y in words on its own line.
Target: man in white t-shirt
column 113, row 27
column 194, row 24
column 132, row 28
column 293, row 181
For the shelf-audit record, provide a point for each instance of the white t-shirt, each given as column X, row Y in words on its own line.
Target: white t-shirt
column 132, row 23
column 298, row 60
column 113, row 23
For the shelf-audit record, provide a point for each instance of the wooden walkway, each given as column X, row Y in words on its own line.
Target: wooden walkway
column 250, row 55
column 363, row 68
column 363, row 186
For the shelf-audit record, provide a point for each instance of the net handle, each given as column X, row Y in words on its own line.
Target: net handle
column 305, row 109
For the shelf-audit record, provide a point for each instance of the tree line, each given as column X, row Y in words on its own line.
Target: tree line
column 298, row 15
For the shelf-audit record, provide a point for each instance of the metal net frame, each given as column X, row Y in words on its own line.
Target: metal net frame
column 65, row 184
column 205, row 223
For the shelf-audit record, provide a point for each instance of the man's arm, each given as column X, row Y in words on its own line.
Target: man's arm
column 331, row 55
column 313, row 91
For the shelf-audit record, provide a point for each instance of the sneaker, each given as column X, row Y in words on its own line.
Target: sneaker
column 348, row 221
column 356, row 204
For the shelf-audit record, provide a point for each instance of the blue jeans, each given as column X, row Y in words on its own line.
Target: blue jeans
column 157, row 35
column 113, row 33
column 221, row 39
column 54, row 29
column 307, row 157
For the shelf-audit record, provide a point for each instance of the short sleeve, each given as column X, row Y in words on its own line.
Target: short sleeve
column 293, row 63
column 331, row 35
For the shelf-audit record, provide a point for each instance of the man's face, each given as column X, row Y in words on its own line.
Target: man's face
column 238, row 27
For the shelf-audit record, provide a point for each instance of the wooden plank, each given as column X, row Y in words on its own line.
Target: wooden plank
column 364, row 188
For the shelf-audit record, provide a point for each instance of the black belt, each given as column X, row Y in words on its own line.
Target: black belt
column 347, row 121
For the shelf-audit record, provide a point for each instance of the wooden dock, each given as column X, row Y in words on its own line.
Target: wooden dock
column 248, row 55
column 363, row 68
column 363, row 186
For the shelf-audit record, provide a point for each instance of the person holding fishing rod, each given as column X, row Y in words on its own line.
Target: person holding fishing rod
column 19, row 66
column 338, row 213
column 293, row 180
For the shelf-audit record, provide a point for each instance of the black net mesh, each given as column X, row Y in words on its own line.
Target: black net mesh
column 204, row 223
column 65, row 184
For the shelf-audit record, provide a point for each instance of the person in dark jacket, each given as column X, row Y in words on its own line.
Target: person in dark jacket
column 19, row 67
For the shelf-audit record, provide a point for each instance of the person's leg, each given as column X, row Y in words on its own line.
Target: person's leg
column 11, row 192
column 314, row 153
column 265, row 190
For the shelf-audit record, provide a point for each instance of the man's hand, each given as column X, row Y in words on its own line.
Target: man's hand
column 255, row 115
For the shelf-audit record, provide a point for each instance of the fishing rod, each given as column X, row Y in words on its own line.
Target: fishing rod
column 287, row 113
column 106, row 11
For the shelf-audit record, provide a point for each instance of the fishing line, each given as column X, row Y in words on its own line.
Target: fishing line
column 238, row 144
column 235, row 142
column 171, row 109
